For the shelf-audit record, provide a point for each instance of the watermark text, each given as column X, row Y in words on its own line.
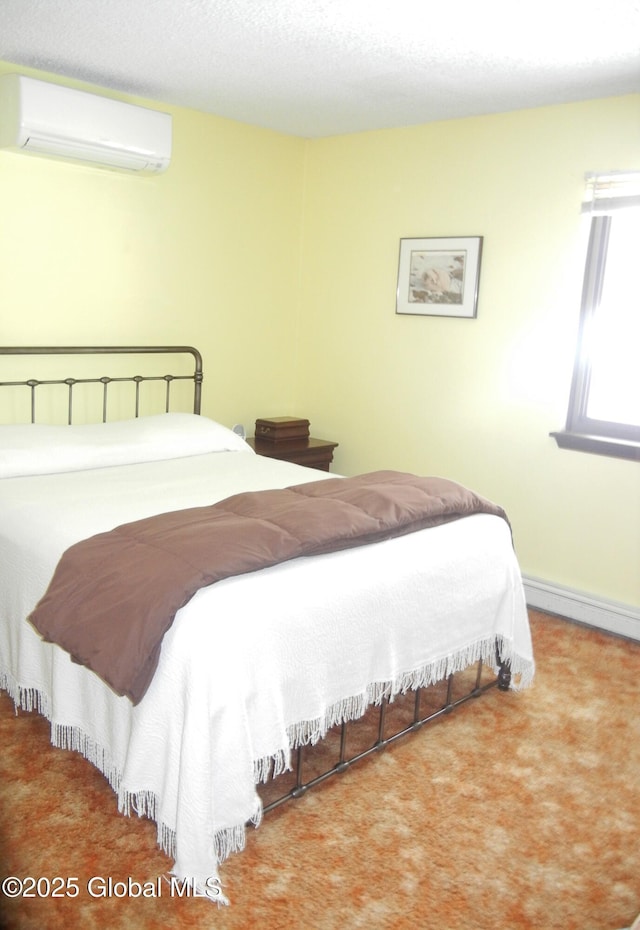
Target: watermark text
column 101, row 886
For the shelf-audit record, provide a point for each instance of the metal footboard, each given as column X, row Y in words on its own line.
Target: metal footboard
column 296, row 783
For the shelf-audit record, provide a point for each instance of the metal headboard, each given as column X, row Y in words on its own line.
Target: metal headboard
column 33, row 383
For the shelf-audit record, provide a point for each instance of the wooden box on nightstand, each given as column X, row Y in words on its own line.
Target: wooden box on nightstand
column 281, row 429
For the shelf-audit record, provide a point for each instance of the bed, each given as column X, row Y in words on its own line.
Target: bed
column 258, row 666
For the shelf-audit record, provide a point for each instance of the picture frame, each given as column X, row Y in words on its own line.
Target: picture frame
column 439, row 276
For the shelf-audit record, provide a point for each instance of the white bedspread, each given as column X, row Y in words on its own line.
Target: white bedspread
column 252, row 664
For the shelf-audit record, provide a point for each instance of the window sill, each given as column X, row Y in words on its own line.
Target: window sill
column 600, row 445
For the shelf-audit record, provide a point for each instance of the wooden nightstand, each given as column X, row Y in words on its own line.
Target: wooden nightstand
column 314, row 453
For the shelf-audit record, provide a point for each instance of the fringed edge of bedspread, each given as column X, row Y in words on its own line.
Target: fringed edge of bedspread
column 143, row 803
column 233, row 839
column 309, row 732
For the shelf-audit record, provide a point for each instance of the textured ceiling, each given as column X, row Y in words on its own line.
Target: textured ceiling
column 326, row 67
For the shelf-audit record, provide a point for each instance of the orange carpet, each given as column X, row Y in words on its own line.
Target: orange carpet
column 517, row 811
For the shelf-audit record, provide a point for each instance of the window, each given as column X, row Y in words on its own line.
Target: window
column 604, row 403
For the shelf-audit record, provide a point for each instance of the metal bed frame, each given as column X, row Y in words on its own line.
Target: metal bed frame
column 106, row 380
column 376, row 717
column 298, row 782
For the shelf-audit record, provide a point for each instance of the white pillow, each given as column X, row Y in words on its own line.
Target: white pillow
column 36, row 449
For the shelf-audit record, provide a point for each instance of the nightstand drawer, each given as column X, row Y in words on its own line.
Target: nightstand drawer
column 314, row 453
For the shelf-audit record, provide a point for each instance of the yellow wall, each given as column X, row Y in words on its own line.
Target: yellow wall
column 278, row 259
column 206, row 254
column 471, row 399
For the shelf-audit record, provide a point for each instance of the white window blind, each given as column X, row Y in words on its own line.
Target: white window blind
column 606, row 193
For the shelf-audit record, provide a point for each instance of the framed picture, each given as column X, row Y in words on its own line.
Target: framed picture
column 439, row 277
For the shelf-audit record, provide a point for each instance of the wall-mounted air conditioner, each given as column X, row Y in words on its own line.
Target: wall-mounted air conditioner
column 40, row 118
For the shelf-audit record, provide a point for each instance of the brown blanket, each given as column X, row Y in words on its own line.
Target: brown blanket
column 114, row 596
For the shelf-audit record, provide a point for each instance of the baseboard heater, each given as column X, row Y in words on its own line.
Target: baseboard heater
column 622, row 619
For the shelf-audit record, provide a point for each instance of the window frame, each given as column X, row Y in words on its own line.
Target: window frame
column 584, row 433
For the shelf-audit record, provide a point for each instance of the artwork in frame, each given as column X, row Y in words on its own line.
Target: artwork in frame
column 439, row 277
